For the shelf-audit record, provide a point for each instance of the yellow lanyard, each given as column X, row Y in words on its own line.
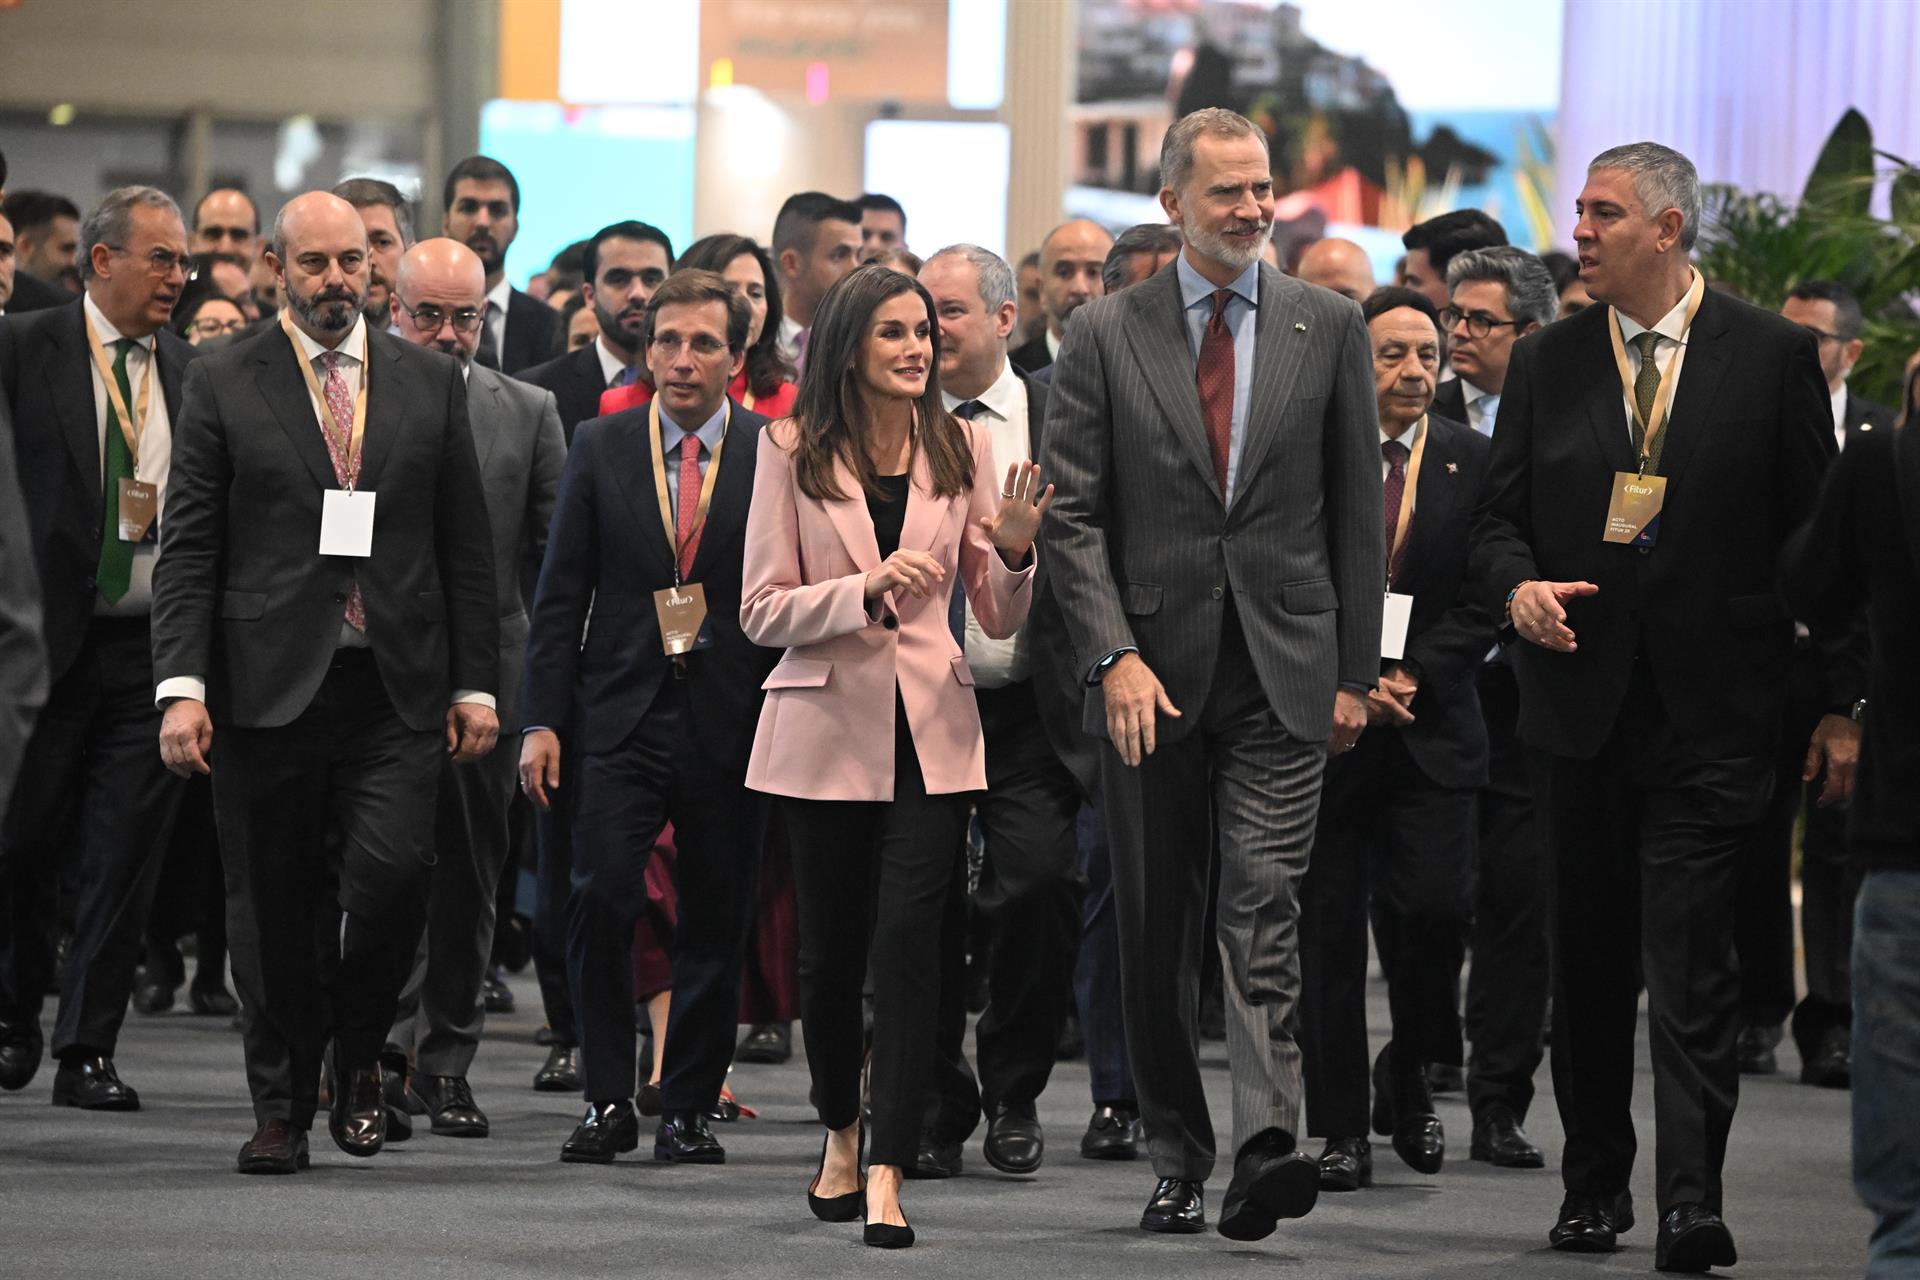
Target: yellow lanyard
column 660, row 479
column 336, row 432
column 1406, row 495
column 1663, row 394
column 131, row 424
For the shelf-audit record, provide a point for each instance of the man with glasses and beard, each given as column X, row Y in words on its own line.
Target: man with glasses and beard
column 483, row 212
column 323, row 664
column 625, row 263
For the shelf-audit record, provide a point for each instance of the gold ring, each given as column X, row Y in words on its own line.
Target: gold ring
column 1006, row 495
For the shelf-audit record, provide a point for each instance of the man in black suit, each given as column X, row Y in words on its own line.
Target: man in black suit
column 483, row 212
column 23, row 652
column 46, row 238
column 341, row 656
column 625, row 263
column 657, row 726
column 94, row 390
column 1398, row 810
column 1071, row 259
column 1638, row 561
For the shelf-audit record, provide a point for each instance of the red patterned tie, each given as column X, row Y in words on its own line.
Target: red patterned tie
column 687, row 534
column 340, row 400
column 1214, row 374
column 1396, row 456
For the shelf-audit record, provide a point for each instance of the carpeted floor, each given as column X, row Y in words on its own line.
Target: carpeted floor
column 154, row 1194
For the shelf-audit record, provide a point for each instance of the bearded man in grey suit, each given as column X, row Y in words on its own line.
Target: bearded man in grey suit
column 1218, row 553
column 440, row 301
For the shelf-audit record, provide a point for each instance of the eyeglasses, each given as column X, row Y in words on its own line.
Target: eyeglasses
column 1821, row 335
column 1479, row 323
column 702, row 344
column 210, row 327
column 162, row 262
column 430, row 317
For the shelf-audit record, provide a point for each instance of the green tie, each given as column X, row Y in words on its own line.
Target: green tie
column 1645, row 387
column 116, row 557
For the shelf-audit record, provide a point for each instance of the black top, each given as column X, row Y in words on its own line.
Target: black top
column 889, row 512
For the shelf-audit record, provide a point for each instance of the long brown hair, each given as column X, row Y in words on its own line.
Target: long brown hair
column 766, row 367
column 831, row 410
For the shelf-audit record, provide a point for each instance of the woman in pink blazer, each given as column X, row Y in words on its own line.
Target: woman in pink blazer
column 870, row 505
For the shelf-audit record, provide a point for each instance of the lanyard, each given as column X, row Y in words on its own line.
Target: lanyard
column 1663, row 394
column 746, row 401
column 660, row 480
column 131, row 424
column 1405, row 520
column 347, row 438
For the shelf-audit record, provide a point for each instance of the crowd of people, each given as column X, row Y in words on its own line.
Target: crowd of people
column 1109, row 643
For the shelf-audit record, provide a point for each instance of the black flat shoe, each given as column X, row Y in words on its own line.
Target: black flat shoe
column 770, row 1042
column 1499, row 1140
column 1014, row 1141
column 1271, row 1181
column 1346, row 1164
column 1830, row 1065
column 608, row 1129
column 561, row 1071
column 1754, row 1050
column 881, row 1235
column 91, row 1084
column 648, row 1103
column 684, row 1138
column 1591, row 1224
column 357, row 1109
column 1693, row 1239
column 935, row 1160
column 1112, row 1134
column 1178, row 1207
column 842, row 1208
column 497, row 995
column 454, row 1113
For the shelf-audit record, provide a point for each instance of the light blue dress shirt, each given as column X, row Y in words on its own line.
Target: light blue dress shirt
column 1196, row 294
column 671, row 436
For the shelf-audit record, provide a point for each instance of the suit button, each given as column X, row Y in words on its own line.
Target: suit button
column 1645, row 550
column 890, row 622
column 339, row 597
column 1219, row 592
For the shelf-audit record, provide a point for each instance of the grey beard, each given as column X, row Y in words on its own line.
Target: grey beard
column 309, row 310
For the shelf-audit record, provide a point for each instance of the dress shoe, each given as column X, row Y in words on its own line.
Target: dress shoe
column 1271, row 1181
column 1112, row 1134
column 769, row 1042
column 1692, row 1238
column 1014, row 1142
column 1590, row 1223
column 1403, row 1108
column 1346, row 1164
column 1072, row 1045
column 561, row 1071
column 935, row 1159
column 213, row 1001
column 275, row 1148
column 683, row 1138
column 399, row 1125
column 884, row 1235
column 1830, row 1065
column 90, row 1083
column 1754, row 1049
column 357, row 1109
column 726, row 1109
column 608, row 1129
column 649, row 1100
column 20, row 1048
column 1499, row 1140
column 497, row 994
column 150, row 998
column 841, row 1208
column 450, row 1103
column 1178, row 1208
column 1444, row 1077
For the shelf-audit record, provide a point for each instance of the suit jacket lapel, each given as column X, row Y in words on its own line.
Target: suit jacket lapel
column 70, row 384
column 1906, row 452
column 1278, row 348
column 172, row 368
column 1158, row 336
column 1705, row 364
column 386, row 417
column 284, row 389
column 1606, row 402
column 850, row 520
column 483, row 414
column 633, row 468
column 1435, row 497
column 732, row 494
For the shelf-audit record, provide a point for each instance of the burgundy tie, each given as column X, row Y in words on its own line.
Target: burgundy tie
column 1214, row 374
column 1396, row 456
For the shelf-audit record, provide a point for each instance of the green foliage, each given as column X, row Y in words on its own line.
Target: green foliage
column 1763, row 246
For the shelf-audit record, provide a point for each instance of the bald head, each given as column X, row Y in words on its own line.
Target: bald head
column 1339, row 265
column 442, row 294
column 319, row 259
column 1070, row 260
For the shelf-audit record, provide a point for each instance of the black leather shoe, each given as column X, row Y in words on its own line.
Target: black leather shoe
column 357, row 1111
column 20, row 1048
column 1112, row 1134
column 274, row 1148
column 1692, row 1238
column 1830, row 1065
column 402, row 1103
column 607, row 1130
column 1754, row 1049
column 1178, row 1208
column 770, row 1042
column 935, row 1159
column 150, row 998
column 1270, row 1181
column 91, row 1084
column 213, row 1001
column 1014, row 1142
column 648, row 1102
column 451, row 1106
column 1589, row 1223
column 1499, row 1140
column 1346, row 1164
column 1403, row 1109
column 683, row 1138
column 561, row 1072
column 495, row 991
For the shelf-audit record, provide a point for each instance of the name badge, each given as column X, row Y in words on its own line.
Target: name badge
column 346, row 523
column 139, row 504
column 1394, row 620
column 683, row 619
column 1633, row 517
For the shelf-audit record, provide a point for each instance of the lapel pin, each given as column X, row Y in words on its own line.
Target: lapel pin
column 1453, row 468
column 1866, row 426
column 1300, row 325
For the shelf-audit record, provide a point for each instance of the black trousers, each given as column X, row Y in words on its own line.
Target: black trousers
column 190, row 896
column 1382, row 824
column 1096, row 979
column 875, row 879
column 1646, row 840
column 91, row 789
column 1829, row 882
column 326, row 817
column 553, row 882
column 624, row 798
column 1509, row 983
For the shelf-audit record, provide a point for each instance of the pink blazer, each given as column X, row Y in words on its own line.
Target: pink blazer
column 826, row 730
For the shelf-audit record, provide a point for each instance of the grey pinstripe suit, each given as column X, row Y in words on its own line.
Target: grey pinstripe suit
column 1251, row 611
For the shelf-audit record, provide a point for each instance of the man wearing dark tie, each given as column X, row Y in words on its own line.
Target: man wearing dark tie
column 483, row 212
column 1216, row 550
column 322, row 661
column 651, row 718
column 1651, row 457
column 516, row 432
column 94, row 392
column 625, row 263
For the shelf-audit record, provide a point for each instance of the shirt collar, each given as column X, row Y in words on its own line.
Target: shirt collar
column 1672, row 326
column 104, row 327
column 500, row 294
column 611, row 366
column 1412, row 436
column 998, row 398
column 1839, row 399
column 1196, row 288
column 353, row 347
column 672, row 433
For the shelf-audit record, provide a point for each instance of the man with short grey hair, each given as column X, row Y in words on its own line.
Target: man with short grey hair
column 1497, row 296
column 1651, row 458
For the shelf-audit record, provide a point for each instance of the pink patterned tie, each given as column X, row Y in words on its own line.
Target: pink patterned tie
column 688, row 533
column 340, row 400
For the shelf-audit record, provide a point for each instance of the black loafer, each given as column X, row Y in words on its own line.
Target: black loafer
column 357, row 1109
column 20, row 1049
column 608, row 1129
column 1499, row 1140
column 648, row 1100
column 1590, row 1223
column 1403, row 1109
column 561, row 1071
column 1014, row 1141
column 1178, row 1207
column 1830, row 1065
column 495, row 992
column 450, row 1104
column 1754, row 1049
column 1346, row 1164
column 1270, row 1181
column 274, row 1148
column 684, row 1138
column 1112, row 1134
column 770, row 1043
column 91, row 1084
column 1693, row 1239
column 935, row 1159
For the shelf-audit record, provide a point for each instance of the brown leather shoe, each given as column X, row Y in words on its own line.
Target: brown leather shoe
column 276, row 1148
column 357, row 1115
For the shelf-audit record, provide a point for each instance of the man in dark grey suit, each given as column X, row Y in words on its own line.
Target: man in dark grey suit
column 1218, row 555
column 440, row 298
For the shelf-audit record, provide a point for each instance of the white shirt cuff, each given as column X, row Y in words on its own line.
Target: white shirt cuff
column 192, row 687
column 479, row 699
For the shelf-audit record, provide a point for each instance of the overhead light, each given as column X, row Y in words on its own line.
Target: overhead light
column 61, row 114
